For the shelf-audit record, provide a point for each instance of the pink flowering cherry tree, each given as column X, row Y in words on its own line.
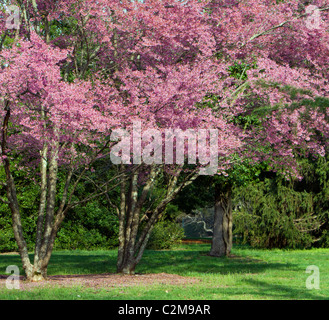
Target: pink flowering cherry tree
column 45, row 121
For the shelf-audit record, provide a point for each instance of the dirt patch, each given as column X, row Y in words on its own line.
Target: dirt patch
column 191, row 241
column 9, row 253
column 105, row 280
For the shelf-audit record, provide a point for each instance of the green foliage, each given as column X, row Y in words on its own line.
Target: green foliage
column 7, row 240
column 238, row 70
column 165, row 235
column 26, row 194
column 276, row 213
column 88, row 226
column 76, row 236
column 324, row 242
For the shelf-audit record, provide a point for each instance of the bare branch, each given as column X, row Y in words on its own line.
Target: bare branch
column 280, row 25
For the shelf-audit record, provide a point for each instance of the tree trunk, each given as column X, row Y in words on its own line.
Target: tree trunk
column 222, row 235
column 133, row 236
column 46, row 226
column 36, row 273
column 127, row 266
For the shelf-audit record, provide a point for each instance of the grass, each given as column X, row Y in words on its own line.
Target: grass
column 250, row 274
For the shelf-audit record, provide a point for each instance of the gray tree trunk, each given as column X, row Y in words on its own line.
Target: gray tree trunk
column 222, row 234
column 47, row 226
column 132, row 238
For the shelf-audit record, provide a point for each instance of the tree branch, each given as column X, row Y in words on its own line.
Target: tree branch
column 255, row 36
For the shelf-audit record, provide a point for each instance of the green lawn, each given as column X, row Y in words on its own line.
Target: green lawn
column 250, row 274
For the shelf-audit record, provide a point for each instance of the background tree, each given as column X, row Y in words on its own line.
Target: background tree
column 276, row 46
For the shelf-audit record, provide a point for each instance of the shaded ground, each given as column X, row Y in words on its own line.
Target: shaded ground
column 105, row 280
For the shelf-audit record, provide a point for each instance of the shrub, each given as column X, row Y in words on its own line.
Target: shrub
column 78, row 237
column 165, row 235
column 272, row 215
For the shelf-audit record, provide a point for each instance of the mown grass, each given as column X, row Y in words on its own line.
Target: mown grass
column 250, row 274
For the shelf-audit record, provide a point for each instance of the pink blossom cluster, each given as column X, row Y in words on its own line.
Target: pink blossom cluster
column 156, row 62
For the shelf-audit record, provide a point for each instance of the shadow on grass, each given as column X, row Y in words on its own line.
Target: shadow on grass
column 179, row 262
column 279, row 291
column 183, row 262
column 65, row 263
